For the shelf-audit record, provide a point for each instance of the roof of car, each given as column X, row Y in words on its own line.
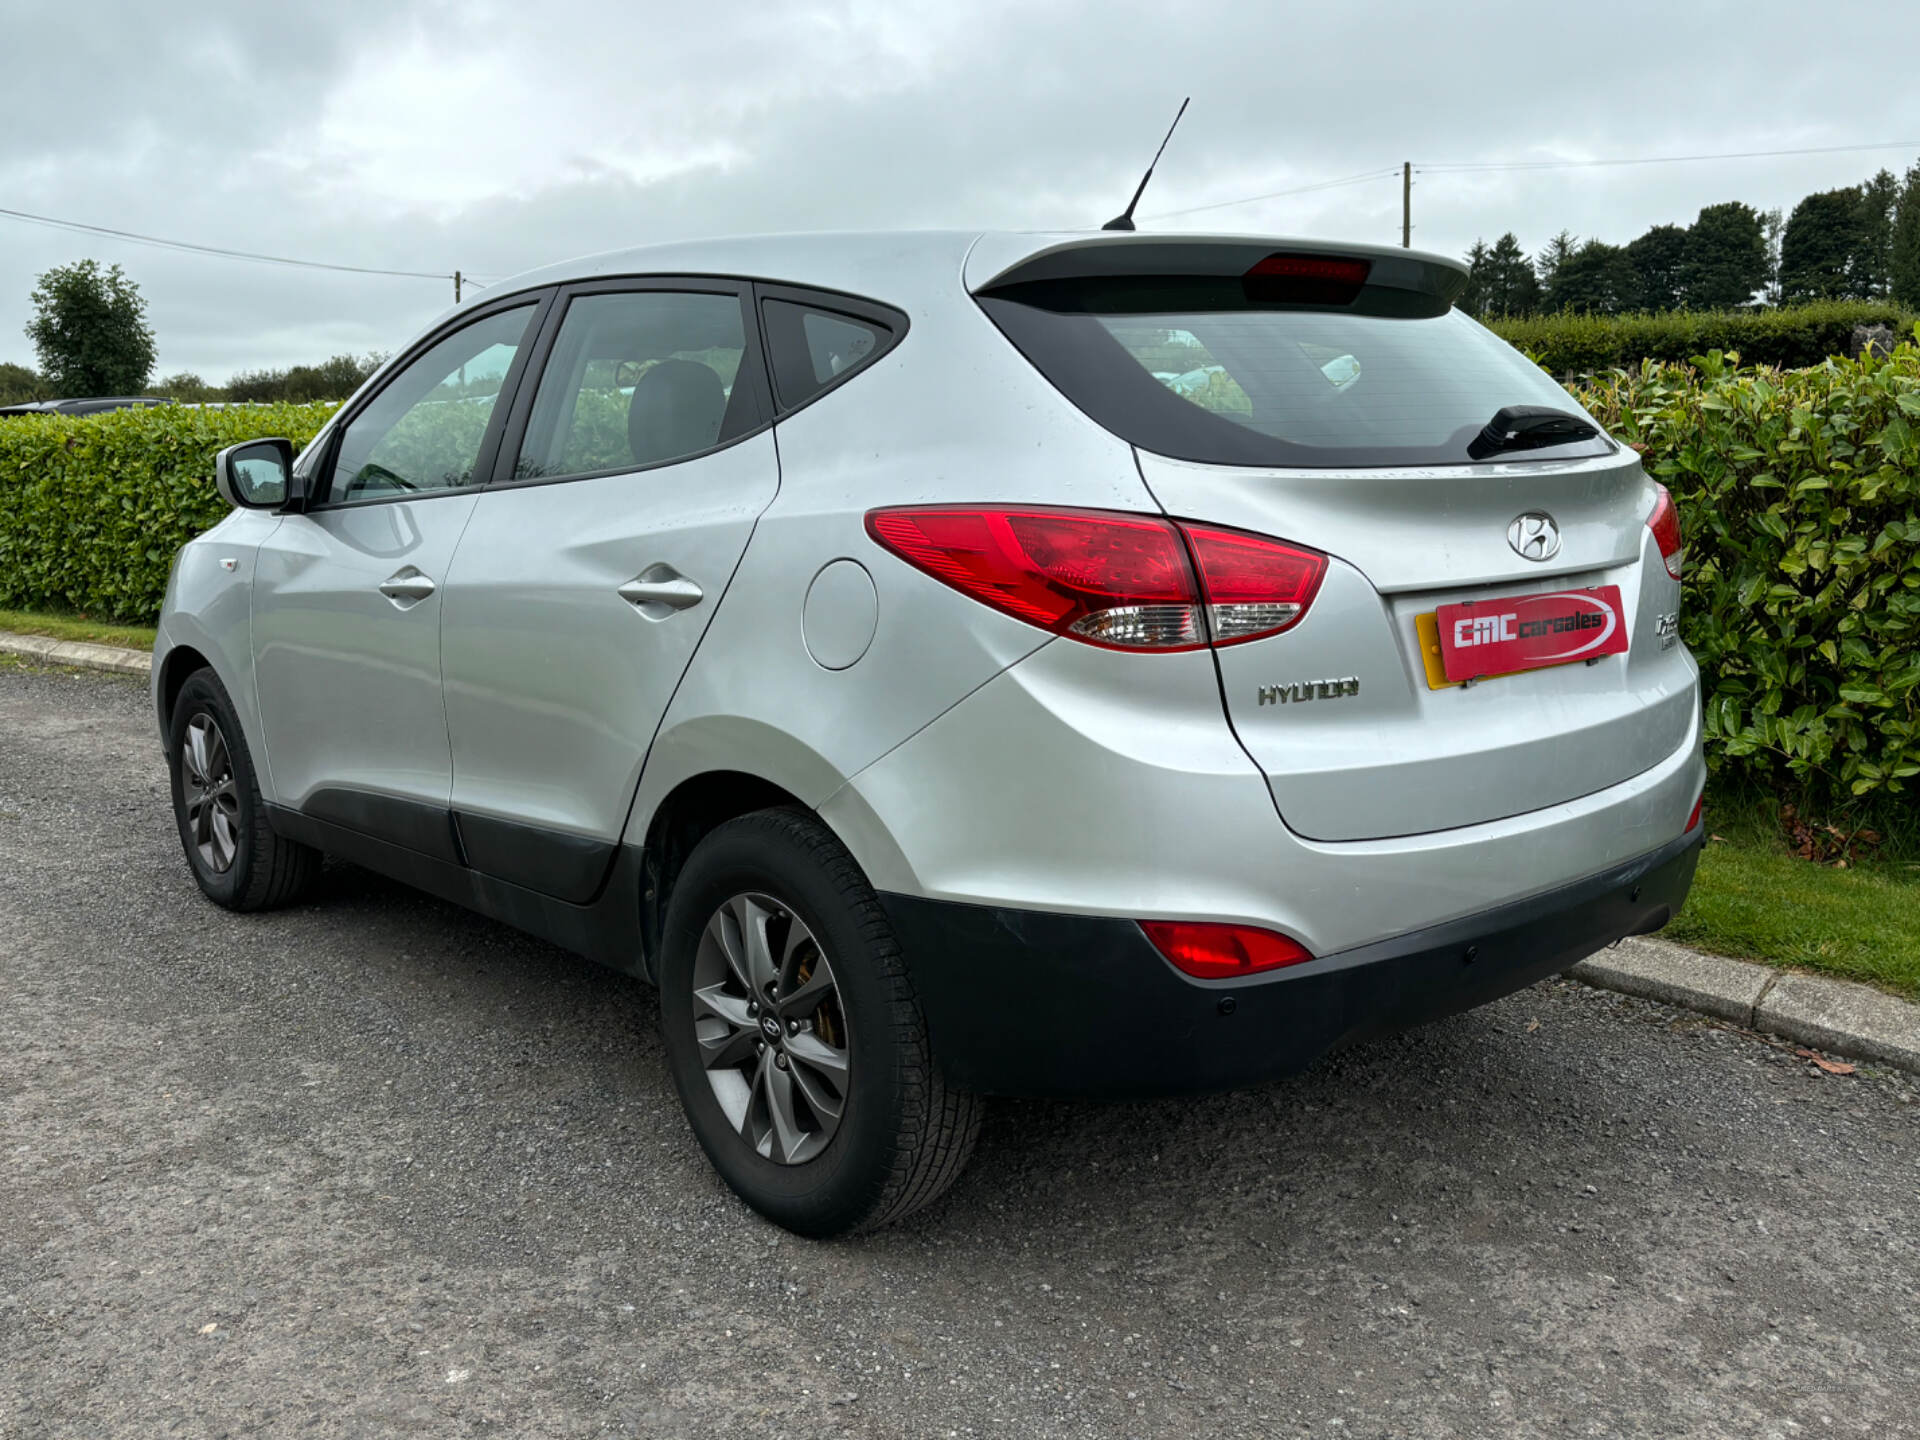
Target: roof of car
column 890, row 265
column 859, row 261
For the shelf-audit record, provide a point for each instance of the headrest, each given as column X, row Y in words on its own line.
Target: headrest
column 677, row 409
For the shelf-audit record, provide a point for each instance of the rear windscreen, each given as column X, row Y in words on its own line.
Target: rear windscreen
column 1268, row 385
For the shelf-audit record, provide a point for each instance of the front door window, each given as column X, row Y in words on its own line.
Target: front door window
column 424, row 432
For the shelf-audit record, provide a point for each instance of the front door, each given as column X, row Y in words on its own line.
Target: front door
column 591, row 569
column 346, row 596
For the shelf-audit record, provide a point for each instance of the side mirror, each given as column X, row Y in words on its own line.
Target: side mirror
column 256, row 475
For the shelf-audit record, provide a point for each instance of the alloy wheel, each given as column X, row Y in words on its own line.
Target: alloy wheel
column 771, row 1029
column 209, row 793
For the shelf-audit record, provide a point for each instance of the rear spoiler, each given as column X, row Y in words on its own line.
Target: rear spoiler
column 1398, row 282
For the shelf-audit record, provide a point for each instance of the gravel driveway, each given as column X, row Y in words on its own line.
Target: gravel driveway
column 376, row 1166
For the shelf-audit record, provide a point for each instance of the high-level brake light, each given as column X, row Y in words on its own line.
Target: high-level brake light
column 1306, row 279
column 1124, row 582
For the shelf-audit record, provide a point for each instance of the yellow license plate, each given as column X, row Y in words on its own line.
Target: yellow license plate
column 1429, row 628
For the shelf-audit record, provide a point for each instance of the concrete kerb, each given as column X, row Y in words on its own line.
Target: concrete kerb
column 80, row 653
column 1838, row 1016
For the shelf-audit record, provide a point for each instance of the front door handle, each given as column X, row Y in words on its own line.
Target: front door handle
column 406, row 586
column 659, row 590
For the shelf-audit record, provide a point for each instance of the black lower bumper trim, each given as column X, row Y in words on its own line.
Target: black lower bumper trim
column 1024, row 1002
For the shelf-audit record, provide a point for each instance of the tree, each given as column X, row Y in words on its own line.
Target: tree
column 1903, row 261
column 1869, row 267
column 1726, row 260
column 333, row 379
column 1548, row 263
column 186, row 387
column 1597, row 279
column 1822, row 244
column 1773, row 224
column 1659, row 261
column 1510, row 287
column 19, row 385
column 1473, row 299
column 90, row 330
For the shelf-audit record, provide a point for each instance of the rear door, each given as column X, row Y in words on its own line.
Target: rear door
column 1338, row 402
column 626, row 492
column 347, row 596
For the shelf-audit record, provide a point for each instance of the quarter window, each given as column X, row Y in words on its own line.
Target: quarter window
column 637, row 379
column 424, row 430
column 810, row 348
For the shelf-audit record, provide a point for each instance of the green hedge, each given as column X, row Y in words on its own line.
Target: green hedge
column 1801, row 335
column 93, row 508
column 1799, row 497
column 1799, row 493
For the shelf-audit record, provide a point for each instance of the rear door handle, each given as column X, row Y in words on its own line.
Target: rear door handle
column 406, row 586
column 659, row 590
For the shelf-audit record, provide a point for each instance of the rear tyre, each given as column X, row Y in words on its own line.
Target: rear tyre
column 233, row 852
column 794, row 1038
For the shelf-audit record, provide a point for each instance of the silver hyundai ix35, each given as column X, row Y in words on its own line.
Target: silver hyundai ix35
column 955, row 665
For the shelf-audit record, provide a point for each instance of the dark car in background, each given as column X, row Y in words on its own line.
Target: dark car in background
column 92, row 406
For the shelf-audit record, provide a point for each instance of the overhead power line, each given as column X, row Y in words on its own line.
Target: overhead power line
column 1467, row 167
column 1277, row 194
column 1464, row 166
column 188, row 246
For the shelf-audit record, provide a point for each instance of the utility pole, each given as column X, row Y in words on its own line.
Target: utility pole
column 1406, row 207
column 456, row 287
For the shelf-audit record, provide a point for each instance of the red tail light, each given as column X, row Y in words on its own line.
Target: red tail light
column 1665, row 524
column 1120, row 581
column 1209, row 951
column 1116, row 580
column 1693, row 820
column 1254, row 586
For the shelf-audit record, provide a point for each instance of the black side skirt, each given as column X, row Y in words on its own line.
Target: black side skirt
column 604, row 928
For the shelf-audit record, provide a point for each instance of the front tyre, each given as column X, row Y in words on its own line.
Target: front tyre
column 793, row 1035
column 238, row 860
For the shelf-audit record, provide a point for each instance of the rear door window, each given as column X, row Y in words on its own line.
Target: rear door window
column 1252, row 384
column 636, row 379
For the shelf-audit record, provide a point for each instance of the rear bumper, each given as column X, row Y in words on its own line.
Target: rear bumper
column 1023, row 1002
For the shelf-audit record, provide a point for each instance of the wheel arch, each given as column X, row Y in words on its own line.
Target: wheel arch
column 180, row 662
column 685, row 816
column 703, row 774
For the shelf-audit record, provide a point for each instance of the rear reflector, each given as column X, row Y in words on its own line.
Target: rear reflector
column 1124, row 582
column 1693, row 820
column 1665, row 524
column 1209, row 951
column 1306, row 279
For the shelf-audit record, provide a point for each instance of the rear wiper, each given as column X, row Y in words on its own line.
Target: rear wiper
column 1529, row 427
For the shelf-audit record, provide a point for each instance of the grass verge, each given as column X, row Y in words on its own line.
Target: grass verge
column 1755, row 900
column 60, row 626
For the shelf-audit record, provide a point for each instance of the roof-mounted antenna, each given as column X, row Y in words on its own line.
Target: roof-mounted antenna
column 1124, row 220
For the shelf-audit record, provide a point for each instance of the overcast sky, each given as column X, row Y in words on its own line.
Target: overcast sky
column 420, row 135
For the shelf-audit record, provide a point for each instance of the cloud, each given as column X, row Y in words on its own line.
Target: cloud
column 493, row 137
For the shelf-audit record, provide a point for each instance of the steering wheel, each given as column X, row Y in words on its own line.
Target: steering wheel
column 371, row 475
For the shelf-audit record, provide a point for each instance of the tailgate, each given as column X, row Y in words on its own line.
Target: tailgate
column 1392, row 755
